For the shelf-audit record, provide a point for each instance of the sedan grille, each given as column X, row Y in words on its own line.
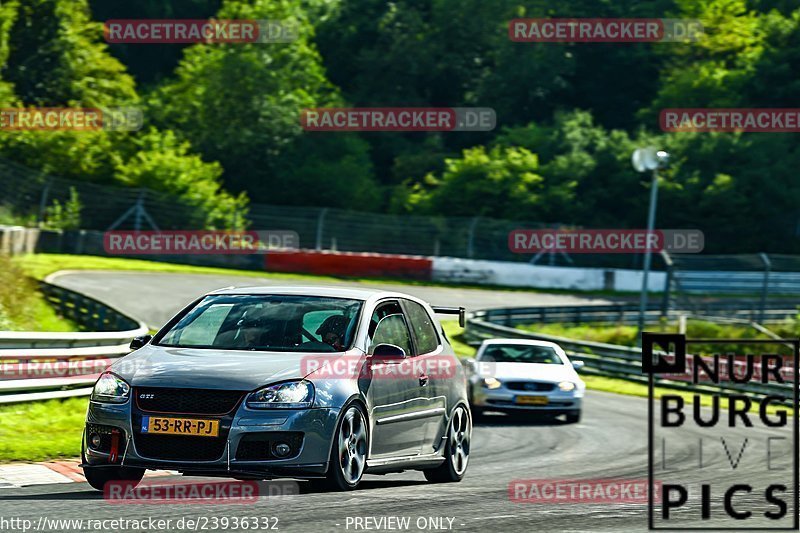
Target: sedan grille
column 533, row 386
column 187, row 401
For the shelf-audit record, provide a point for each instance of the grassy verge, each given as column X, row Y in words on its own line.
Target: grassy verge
column 42, row 430
column 22, row 307
column 626, row 335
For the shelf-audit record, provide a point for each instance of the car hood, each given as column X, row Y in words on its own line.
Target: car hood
column 532, row 371
column 158, row 366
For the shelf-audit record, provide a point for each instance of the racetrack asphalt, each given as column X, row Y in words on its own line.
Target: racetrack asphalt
column 155, row 297
column 609, row 443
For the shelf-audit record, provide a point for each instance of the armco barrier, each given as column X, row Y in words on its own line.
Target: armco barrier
column 349, row 264
column 611, row 360
column 629, row 313
column 32, row 363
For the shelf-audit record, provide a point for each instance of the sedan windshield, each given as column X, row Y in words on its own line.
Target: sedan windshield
column 266, row 323
column 519, row 353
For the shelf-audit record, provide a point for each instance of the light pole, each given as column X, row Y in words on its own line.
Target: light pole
column 645, row 159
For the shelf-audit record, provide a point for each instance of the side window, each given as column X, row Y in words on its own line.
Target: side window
column 388, row 326
column 424, row 329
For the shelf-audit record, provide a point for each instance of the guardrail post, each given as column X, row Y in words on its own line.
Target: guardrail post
column 765, row 286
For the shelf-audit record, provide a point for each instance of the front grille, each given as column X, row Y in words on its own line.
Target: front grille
column 179, row 447
column 532, row 386
column 194, row 401
column 260, row 446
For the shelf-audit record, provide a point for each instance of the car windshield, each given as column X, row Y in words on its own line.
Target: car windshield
column 266, row 323
column 519, row 353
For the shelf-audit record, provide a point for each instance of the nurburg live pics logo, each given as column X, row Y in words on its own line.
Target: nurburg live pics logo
column 734, row 469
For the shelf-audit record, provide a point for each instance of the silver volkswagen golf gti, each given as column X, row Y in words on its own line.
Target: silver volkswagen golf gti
column 324, row 384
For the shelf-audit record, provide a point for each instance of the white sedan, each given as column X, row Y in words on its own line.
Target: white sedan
column 513, row 376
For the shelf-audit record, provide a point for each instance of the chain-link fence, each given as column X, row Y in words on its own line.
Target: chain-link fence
column 28, row 193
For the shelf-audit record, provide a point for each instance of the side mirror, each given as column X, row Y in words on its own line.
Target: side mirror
column 138, row 342
column 577, row 365
column 471, row 364
column 388, row 353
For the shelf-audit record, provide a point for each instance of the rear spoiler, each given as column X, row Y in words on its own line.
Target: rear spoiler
column 460, row 311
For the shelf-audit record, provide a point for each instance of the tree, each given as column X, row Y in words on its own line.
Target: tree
column 163, row 163
column 240, row 104
column 56, row 57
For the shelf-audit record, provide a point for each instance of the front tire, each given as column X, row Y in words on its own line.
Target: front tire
column 348, row 457
column 456, row 451
column 98, row 476
column 574, row 417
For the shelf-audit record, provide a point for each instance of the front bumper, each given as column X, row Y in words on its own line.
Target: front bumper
column 502, row 399
column 317, row 426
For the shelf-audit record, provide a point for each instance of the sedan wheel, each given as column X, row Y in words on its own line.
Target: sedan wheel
column 456, row 451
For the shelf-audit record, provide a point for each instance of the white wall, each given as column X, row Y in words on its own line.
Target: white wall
column 540, row 276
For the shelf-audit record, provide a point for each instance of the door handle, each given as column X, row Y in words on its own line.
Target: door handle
column 423, row 380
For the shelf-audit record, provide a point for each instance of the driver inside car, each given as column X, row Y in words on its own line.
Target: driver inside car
column 332, row 331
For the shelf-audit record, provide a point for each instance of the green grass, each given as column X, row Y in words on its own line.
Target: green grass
column 45, row 318
column 40, row 431
column 626, row 335
column 22, row 306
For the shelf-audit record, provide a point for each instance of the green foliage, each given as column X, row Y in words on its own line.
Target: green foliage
column 496, row 182
column 56, row 57
column 161, row 162
column 226, row 117
column 240, row 104
column 64, row 216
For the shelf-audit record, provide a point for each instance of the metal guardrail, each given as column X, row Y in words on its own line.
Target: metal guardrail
column 629, row 313
column 41, row 366
column 599, row 358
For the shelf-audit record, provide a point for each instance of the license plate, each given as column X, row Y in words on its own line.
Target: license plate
column 532, row 400
column 180, row 426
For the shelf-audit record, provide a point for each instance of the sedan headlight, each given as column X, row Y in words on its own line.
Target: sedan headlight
column 491, row 383
column 289, row 395
column 110, row 388
column 566, row 386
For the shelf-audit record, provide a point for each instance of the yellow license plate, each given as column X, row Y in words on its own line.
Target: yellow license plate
column 180, row 426
column 532, row 400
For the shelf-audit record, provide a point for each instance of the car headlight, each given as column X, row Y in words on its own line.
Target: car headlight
column 491, row 383
column 289, row 395
column 566, row 386
column 110, row 388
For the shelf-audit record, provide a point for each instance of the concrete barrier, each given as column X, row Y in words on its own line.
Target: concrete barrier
column 349, row 264
column 510, row 274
